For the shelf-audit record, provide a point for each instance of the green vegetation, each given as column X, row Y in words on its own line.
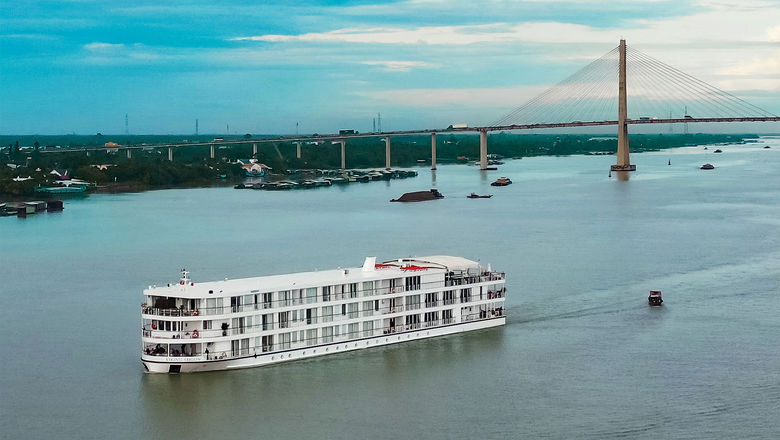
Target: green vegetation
column 150, row 168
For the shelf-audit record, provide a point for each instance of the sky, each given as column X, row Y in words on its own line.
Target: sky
column 80, row 66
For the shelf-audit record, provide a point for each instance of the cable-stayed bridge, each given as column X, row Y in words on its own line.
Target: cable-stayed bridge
column 623, row 87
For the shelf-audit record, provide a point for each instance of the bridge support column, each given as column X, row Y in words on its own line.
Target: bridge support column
column 170, row 153
column 298, row 149
column 387, row 152
column 254, row 149
column 211, row 151
column 623, row 161
column 433, row 151
column 482, row 149
column 129, row 153
column 343, row 154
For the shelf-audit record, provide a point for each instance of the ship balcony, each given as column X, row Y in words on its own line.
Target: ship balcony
column 461, row 279
column 156, row 311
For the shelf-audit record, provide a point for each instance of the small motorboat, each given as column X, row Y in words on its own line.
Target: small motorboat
column 655, row 298
column 718, row 151
column 502, row 181
column 708, row 166
column 477, row 196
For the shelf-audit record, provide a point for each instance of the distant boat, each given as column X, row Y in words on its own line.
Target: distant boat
column 718, row 151
column 419, row 196
column 502, row 181
column 477, row 196
column 70, row 189
column 707, row 166
column 655, row 298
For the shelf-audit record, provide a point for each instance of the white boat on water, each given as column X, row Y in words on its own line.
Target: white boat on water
column 221, row 325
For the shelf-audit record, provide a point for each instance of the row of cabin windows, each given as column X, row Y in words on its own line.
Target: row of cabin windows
column 310, row 295
column 310, row 315
column 327, row 334
column 238, row 303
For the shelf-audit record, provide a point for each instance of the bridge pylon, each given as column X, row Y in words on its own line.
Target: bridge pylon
column 623, row 161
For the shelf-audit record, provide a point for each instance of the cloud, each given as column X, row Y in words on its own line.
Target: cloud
column 103, row 47
column 397, row 66
column 100, row 53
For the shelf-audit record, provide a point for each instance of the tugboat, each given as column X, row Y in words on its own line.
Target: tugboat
column 655, row 299
column 502, row 181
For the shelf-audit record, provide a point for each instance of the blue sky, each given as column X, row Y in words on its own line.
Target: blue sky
column 80, row 66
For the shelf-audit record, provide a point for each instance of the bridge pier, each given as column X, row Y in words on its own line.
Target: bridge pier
column 170, row 154
column 482, row 149
column 211, row 151
column 433, row 151
column 254, row 149
column 387, row 152
column 343, row 153
column 129, row 153
column 298, row 149
column 623, row 161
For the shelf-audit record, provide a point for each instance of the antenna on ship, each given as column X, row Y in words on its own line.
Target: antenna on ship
column 185, row 277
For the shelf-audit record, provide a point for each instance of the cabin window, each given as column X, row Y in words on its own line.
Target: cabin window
column 368, row 328
column 446, row 316
column 353, row 310
column 267, row 300
column 327, row 314
column 327, row 334
column 412, row 302
column 368, row 288
column 284, row 318
column 326, row 293
column 311, row 336
column 235, row 303
column 284, row 341
column 207, row 325
column 343, row 309
column 431, row 299
column 465, row 295
column 353, row 289
column 267, row 321
column 368, row 308
column 311, row 316
column 354, row 330
column 284, row 298
column 268, row 343
column 449, row 297
column 412, row 283
column 311, row 295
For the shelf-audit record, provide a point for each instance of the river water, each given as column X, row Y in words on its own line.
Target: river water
column 581, row 356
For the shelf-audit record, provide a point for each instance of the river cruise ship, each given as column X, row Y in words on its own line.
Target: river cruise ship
column 219, row 325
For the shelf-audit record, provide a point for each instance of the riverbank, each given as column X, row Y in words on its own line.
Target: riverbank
column 27, row 167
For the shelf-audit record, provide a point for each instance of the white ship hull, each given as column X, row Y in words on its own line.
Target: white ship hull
column 154, row 364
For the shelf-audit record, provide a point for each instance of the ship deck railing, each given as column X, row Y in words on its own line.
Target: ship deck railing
column 337, row 318
column 375, row 293
column 320, row 340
